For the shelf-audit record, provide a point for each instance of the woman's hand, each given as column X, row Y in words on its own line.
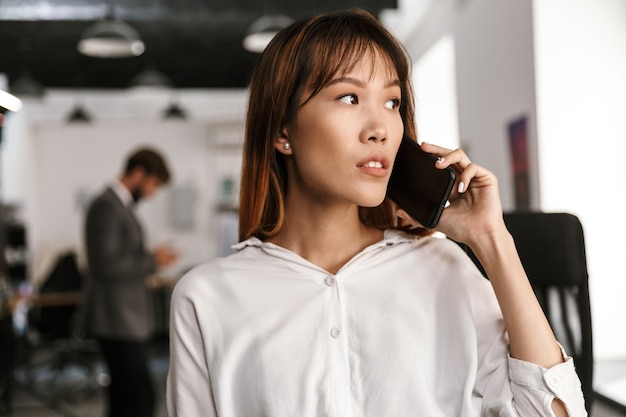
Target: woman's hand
column 474, row 217
column 475, row 208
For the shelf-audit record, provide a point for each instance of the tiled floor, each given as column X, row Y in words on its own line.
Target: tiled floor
column 87, row 400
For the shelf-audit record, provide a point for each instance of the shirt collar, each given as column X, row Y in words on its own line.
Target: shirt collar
column 391, row 237
column 122, row 193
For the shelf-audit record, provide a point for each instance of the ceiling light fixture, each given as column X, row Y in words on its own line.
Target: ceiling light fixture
column 174, row 112
column 79, row 115
column 262, row 30
column 111, row 38
column 27, row 86
column 150, row 79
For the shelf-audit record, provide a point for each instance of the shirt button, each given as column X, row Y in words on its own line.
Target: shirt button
column 554, row 380
column 330, row 281
column 335, row 332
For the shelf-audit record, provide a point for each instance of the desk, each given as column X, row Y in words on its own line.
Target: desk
column 56, row 299
column 161, row 288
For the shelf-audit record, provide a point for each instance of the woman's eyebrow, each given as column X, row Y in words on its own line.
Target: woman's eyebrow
column 349, row 80
column 359, row 83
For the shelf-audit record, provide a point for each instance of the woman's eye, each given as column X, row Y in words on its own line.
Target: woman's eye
column 349, row 99
column 392, row 104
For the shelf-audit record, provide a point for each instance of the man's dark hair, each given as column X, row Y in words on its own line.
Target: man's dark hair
column 152, row 163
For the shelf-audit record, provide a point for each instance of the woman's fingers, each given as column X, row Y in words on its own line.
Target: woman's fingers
column 465, row 177
column 435, row 149
column 447, row 156
column 456, row 158
column 474, row 203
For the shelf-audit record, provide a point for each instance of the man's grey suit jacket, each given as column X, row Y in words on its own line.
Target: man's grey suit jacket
column 118, row 303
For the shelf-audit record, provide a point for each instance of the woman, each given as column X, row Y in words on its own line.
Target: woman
column 329, row 308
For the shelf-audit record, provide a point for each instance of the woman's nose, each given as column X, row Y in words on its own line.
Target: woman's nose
column 375, row 129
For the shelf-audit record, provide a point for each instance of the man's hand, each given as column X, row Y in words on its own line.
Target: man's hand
column 165, row 255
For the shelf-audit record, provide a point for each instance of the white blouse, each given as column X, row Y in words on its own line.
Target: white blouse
column 408, row 327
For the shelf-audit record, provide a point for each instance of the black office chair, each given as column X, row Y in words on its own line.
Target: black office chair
column 60, row 364
column 552, row 249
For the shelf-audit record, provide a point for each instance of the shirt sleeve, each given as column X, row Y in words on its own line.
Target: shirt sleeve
column 535, row 387
column 189, row 391
column 512, row 387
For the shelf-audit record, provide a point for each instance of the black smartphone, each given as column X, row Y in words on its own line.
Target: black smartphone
column 417, row 186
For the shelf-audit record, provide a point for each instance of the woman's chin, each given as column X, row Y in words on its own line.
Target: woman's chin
column 373, row 202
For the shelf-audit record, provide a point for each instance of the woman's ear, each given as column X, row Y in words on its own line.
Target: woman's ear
column 281, row 143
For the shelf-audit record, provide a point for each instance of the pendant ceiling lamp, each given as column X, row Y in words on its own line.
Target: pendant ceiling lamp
column 79, row 115
column 111, row 38
column 262, row 30
column 174, row 112
column 150, row 79
column 27, row 86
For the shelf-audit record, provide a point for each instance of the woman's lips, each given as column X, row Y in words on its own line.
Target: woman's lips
column 376, row 165
column 373, row 164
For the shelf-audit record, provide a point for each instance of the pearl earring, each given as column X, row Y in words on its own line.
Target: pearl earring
column 286, row 146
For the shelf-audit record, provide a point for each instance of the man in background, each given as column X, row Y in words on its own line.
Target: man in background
column 119, row 311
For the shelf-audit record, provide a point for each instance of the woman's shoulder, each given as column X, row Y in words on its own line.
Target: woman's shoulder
column 213, row 268
column 204, row 278
column 436, row 254
column 434, row 244
column 195, row 280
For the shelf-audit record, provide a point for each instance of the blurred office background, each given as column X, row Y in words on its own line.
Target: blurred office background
column 553, row 70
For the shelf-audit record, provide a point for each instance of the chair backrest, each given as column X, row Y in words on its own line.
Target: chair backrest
column 551, row 247
column 58, row 321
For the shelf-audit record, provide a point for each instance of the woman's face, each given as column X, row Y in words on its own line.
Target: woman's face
column 345, row 138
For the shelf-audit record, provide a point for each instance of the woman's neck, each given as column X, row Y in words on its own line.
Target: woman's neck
column 326, row 237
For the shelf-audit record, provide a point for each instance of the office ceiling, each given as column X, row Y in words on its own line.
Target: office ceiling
column 196, row 43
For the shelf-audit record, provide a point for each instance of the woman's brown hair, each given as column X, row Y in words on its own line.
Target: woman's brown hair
column 303, row 59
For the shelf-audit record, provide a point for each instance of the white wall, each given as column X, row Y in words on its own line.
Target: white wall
column 495, row 78
column 64, row 165
column 434, row 82
column 581, row 101
column 493, row 42
column 17, row 166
